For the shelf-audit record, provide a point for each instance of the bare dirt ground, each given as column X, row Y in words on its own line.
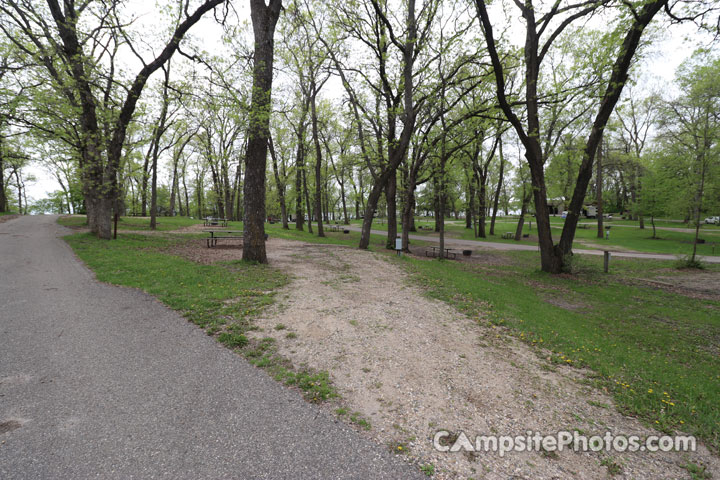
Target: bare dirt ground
column 7, row 218
column 411, row 366
column 695, row 284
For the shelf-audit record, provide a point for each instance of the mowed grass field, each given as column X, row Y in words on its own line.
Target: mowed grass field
column 655, row 350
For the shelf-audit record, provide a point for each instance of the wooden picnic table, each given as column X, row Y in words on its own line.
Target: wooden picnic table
column 215, row 222
column 508, row 235
column 435, row 250
column 216, row 235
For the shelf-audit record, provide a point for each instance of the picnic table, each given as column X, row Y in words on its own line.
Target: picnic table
column 436, row 250
column 334, row 228
column 215, row 222
column 508, row 235
column 216, row 235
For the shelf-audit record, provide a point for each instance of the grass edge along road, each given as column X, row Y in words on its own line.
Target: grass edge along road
column 654, row 351
column 222, row 298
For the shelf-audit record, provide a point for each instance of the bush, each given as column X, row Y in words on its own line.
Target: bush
column 689, row 262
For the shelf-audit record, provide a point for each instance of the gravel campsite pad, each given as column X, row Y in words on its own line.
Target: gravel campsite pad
column 410, row 366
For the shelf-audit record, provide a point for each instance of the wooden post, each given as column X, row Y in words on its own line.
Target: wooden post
column 607, row 261
column 116, row 220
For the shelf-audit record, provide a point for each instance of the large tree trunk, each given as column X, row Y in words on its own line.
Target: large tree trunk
column 599, row 191
column 264, row 19
column 407, row 209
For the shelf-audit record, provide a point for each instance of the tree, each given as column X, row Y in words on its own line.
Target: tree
column 64, row 38
column 542, row 29
column 691, row 123
column 264, row 20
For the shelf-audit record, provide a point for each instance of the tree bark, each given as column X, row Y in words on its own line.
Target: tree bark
column 318, row 160
column 598, row 191
column 264, row 19
column 3, row 197
column 391, row 200
column 499, row 187
column 279, row 185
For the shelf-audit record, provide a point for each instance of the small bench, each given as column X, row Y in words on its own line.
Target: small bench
column 436, row 250
column 216, row 235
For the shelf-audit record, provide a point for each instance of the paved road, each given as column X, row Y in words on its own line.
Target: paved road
column 457, row 243
column 105, row 382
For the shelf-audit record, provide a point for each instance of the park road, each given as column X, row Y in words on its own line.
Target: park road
column 105, row 382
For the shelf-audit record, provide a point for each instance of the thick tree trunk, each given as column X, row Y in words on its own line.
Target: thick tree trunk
column 408, row 210
column 599, row 191
column 264, row 19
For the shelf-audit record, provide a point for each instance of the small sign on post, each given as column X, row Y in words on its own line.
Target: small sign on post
column 607, row 261
column 398, row 245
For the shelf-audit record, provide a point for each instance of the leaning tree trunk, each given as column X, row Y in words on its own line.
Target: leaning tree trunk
column 264, row 19
column 499, row 188
column 523, row 212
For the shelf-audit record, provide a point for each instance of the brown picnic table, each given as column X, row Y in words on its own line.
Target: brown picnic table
column 215, row 222
column 436, row 250
column 216, row 235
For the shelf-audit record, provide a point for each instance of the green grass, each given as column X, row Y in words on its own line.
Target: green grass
column 624, row 235
column 222, row 298
column 657, row 353
column 6, row 213
column 136, row 223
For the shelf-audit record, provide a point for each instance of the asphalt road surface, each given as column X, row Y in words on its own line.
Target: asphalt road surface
column 98, row 381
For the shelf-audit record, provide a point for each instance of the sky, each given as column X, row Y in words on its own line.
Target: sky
column 666, row 54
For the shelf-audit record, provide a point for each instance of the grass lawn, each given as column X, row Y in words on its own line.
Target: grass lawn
column 657, row 353
column 621, row 237
column 136, row 223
